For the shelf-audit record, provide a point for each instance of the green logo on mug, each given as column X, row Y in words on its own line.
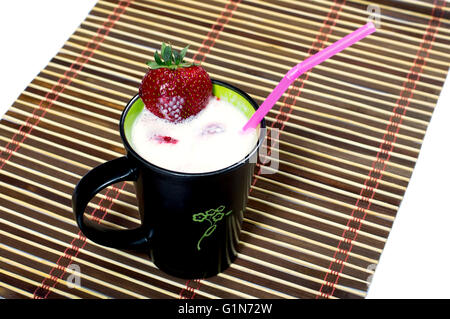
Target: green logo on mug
column 213, row 216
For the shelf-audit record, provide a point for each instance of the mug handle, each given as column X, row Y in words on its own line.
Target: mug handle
column 100, row 177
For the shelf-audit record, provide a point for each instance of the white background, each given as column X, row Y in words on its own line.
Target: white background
column 416, row 258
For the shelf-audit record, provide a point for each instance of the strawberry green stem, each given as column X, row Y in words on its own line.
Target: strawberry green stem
column 170, row 58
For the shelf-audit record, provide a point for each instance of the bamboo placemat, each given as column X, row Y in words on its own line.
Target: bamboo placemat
column 351, row 130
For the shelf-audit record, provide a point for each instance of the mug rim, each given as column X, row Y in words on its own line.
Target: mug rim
column 159, row 169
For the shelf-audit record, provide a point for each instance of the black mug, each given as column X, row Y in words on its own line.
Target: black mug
column 190, row 222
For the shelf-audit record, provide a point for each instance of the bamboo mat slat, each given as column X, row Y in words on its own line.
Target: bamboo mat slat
column 350, row 132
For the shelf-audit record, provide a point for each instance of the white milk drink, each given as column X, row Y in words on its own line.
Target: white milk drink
column 208, row 141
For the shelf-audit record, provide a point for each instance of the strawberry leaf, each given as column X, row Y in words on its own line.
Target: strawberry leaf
column 154, row 65
column 177, row 57
column 158, row 59
column 167, row 55
column 170, row 58
column 183, row 53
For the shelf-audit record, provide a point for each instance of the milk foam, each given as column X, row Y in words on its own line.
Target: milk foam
column 209, row 141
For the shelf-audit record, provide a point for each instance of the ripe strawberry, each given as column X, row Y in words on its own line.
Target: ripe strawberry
column 173, row 89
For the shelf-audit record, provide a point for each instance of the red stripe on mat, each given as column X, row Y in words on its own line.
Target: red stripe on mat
column 38, row 113
column 221, row 21
column 190, row 290
column 72, row 251
column 294, row 90
column 78, row 242
column 379, row 165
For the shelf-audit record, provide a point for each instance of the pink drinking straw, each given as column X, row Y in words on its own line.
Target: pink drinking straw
column 304, row 66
